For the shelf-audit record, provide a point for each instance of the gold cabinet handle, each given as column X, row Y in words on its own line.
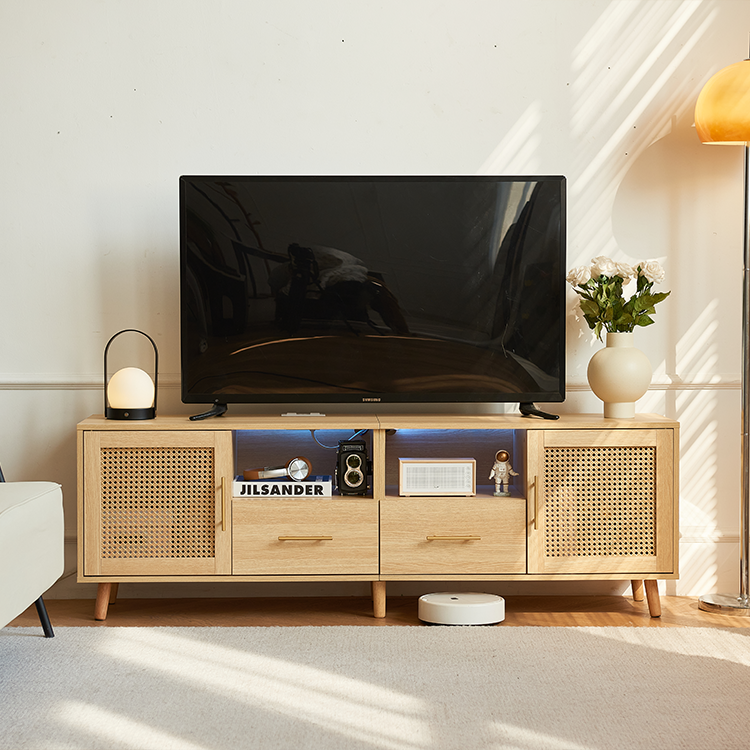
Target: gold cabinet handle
column 305, row 538
column 454, row 537
column 536, row 503
column 223, row 503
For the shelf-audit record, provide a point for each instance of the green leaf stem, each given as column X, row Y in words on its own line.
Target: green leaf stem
column 605, row 309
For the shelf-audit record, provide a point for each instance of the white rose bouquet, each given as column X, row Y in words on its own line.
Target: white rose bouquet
column 602, row 302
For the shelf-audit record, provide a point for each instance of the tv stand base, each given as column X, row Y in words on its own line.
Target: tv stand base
column 529, row 410
column 215, row 411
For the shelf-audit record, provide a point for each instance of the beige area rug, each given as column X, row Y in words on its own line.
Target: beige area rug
column 397, row 688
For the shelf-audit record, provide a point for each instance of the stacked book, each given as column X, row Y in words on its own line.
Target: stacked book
column 312, row 487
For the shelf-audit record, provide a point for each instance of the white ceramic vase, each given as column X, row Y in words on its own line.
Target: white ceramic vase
column 619, row 375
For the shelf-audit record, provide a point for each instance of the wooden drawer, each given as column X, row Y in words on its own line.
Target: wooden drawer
column 269, row 537
column 452, row 536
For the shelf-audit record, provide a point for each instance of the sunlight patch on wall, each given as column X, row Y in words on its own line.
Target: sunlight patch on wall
column 697, row 352
column 622, row 70
column 651, row 403
column 696, row 410
column 621, row 39
column 698, row 461
column 517, row 153
column 698, row 570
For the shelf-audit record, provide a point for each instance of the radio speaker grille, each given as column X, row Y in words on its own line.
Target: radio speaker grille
column 448, row 478
column 600, row 501
column 157, row 502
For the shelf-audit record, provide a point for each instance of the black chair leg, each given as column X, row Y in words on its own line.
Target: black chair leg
column 41, row 610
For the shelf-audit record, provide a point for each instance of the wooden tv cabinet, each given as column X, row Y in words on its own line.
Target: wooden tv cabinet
column 594, row 499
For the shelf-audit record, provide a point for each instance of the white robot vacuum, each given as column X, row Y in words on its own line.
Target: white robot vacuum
column 461, row 609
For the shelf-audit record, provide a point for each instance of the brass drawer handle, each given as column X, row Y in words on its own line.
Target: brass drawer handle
column 305, row 538
column 454, row 537
column 223, row 503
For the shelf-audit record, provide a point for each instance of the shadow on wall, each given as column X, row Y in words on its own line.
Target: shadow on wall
column 694, row 349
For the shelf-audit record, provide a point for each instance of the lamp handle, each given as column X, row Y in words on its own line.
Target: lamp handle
column 156, row 364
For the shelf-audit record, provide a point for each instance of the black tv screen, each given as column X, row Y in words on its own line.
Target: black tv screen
column 372, row 289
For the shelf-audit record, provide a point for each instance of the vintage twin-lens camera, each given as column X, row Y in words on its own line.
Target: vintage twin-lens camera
column 352, row 467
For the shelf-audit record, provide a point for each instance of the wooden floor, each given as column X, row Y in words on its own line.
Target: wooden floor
column 569, row 611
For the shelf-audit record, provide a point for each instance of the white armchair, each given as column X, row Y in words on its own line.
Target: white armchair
column 31, row 547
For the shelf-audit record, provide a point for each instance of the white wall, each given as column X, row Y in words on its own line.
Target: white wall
column 105, row 103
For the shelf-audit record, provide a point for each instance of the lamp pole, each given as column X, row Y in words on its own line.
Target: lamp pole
column 745, row 527
column 727, row 603
column 722, row 116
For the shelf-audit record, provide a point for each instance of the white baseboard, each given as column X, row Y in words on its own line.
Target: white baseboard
column 708, row 535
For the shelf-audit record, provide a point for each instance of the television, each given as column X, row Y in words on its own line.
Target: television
column 361, row 290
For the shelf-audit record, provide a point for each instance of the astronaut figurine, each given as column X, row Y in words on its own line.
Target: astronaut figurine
column 502, row 471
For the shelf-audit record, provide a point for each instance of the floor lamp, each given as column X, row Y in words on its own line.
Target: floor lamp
column 722, row 116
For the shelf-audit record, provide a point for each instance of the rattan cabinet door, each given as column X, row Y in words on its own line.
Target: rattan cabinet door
column 602, row 501
column 157, row 503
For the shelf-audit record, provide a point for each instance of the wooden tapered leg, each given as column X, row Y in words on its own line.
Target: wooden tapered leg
column 652, row 594
column 637, row 591
column 103, row 593
column 378, row 598
column 113, row 593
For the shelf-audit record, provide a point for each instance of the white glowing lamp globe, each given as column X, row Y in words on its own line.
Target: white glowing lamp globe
column 130, row 388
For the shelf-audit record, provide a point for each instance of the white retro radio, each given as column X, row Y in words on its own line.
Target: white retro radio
column 437, row 476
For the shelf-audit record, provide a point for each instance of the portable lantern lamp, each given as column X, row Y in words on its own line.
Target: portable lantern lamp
column 130, row 393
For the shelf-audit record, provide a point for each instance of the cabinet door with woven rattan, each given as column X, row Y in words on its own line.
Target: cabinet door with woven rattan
column 157, row 503
column 602, row 502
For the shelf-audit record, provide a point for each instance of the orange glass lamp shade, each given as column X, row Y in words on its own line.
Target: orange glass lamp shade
column 130, row 393
column 722, row 112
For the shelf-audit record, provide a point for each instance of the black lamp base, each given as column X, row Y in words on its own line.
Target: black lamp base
column 149, row 413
